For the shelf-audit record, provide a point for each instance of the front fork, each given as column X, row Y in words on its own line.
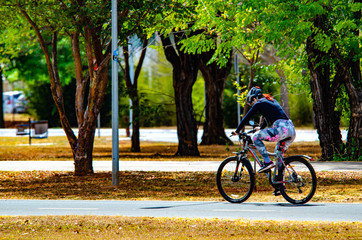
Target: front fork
column 241, row 159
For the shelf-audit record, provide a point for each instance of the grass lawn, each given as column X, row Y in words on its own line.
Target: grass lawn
column 57, row 148
column 103, row 227
column 332, row 186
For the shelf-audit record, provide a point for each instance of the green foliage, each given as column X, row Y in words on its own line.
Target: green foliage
column 229, row 106
column 301, row 111
column 169, row 16
column 151, row 113
column 42, row 106
column 30, row 66
column 263, row 78
column 286, row 25
column 348, row 152
column 247, row 26
column 156, row 88
column 198, row 100
column 243, row 90
column 343, row 107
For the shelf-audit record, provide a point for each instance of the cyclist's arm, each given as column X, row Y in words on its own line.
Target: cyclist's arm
column 247, row 117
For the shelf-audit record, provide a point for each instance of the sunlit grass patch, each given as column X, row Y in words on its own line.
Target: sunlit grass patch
column 332, row 186
column 57, row 148
column 105, row 227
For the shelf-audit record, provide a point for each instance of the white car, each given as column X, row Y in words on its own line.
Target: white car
column 14, row 102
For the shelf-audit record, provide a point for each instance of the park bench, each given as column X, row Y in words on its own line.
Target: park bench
column 34, row 129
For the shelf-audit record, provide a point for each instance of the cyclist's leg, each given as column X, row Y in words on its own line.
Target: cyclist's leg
column 268, row 134
column 286, row 130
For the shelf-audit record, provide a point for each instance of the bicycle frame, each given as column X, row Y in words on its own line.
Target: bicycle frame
column 247, row 147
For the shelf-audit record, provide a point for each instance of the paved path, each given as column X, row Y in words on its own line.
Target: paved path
column 166, row 135
column 194, row 209
column 194, row 166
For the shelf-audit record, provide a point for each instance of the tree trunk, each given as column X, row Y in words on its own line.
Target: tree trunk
column 186, row 123
column 87, row 117
column 136, row 146
column 185, row 68
column 326, row 119
column 324, row 96
column 215, row 78
column 353, row 83
column 83, row 152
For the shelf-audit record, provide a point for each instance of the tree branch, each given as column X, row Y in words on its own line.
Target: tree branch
column 141, row 59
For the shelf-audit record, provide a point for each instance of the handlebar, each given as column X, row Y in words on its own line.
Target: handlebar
column 244, row 133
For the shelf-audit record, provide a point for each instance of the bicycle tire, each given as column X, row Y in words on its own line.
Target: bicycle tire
column 239, row 189
column 303, row 188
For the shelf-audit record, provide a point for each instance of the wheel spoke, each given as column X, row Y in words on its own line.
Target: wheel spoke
column 235, row 181
column 301, row 181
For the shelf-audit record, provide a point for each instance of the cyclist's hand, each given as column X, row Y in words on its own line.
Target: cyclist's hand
column 257, row 128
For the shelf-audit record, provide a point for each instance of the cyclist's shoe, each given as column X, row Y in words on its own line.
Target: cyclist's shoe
column 277, row 191
column 266, row 167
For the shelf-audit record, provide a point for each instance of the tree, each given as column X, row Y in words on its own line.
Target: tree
column 314, row 32
column 75, row 19
column 215, row 78
column 133, row 92
column 139, row 16
column 185, row 68
column 333, row 57
column 351, row 59
column 174, row 24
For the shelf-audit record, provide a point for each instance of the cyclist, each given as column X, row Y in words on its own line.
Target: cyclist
column 272, row 112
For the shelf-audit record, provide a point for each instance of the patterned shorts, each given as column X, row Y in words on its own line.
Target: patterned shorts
column 282, row 130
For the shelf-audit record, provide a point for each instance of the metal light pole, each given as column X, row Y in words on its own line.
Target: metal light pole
column 115, row 137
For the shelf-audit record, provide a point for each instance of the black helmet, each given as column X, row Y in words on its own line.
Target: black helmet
column 253, row 93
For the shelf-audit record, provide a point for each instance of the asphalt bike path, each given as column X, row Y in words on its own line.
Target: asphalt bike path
column 185, row 209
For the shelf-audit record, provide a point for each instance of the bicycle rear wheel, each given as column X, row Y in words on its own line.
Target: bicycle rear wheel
column 300, row 178
column 235, row 180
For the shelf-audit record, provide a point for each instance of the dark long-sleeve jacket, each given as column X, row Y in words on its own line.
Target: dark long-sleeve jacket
column 270, row 110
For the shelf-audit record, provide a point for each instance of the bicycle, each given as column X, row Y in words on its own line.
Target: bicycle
column 293, row 177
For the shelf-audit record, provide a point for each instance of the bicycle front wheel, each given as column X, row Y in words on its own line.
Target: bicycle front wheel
column 235, row 180
column 300, row 180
